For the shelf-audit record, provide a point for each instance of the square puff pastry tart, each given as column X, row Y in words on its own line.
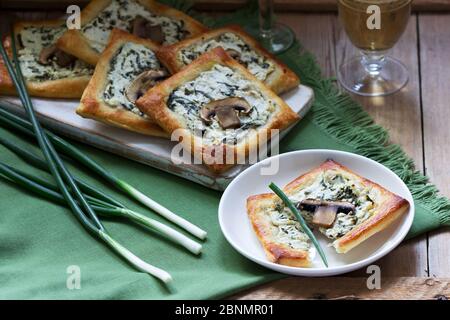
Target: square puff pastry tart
column 362, row 208
column 218, row 108
column 48, row 72
column 107, row 97
column 99, row 17
column 240, row 46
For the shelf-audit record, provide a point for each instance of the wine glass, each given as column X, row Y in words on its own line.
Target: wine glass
column 373, row 27
column 276, row 37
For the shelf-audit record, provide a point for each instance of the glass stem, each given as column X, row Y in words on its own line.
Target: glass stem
column 266, row 18
column 373, row 62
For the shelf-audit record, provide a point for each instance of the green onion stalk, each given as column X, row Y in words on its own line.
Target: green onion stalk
column 48, row 190
column 39, row 163
column 300, row 219
column 80, row 207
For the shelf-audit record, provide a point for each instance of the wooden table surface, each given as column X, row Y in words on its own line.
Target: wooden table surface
column 417, row 118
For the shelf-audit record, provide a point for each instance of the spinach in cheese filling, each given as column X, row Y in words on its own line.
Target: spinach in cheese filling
column 32, row 41
column 220, row 82
column 120, row 14
column 258, row 65
column 130, row 60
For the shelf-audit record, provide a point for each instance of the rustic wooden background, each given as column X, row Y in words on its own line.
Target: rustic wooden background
column 418, row 119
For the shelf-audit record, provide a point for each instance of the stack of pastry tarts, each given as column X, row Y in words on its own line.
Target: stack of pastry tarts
column 149, row 68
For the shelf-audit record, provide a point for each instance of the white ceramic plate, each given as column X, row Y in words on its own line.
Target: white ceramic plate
column 238, row 231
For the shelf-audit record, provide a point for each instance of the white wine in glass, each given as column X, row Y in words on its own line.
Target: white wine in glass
column 373, row 26
column 276, row 37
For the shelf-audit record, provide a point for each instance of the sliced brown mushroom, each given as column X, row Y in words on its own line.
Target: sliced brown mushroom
column 62, row 59
column 226, row 111
column 325, row 211
column 233, row 53
column 236, row 56
column 143, row 29
column 46, row 54
column 185, row 34
column 143, row 82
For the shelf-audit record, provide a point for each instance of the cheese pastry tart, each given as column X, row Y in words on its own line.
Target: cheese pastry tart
column 126, row 69
column 48, row 71
column 240, row 46
column 345, row 207
column 144, row 18
column 218, row 108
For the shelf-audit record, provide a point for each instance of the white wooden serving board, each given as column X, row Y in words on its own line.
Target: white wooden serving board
column 60, row 117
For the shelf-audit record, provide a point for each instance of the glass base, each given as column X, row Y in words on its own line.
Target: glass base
column 355, row 78
column 279, row 39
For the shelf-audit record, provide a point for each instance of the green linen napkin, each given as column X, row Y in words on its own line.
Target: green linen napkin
column 40, row 242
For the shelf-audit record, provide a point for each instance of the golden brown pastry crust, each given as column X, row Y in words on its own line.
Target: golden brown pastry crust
column 282, row 79
column 60, row 88
column 73, row 41
column 275, row 251
column 389, row 208
column 153, row 103
column 91, row 106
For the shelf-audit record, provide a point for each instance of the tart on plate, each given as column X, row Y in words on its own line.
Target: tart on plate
column 48, row 71
column 144, row 18
column 127, row 68
column 218, row 109
column 345, row 207
column 240, row 46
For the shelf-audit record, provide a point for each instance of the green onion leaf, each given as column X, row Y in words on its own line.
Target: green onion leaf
column 69, row 150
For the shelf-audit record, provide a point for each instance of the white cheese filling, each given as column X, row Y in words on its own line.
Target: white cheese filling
column 332, row 186
column 120, row 14
column 33, row 40
column 288, row 231
column 218, row 83
column 258, row 65
column 130, row 60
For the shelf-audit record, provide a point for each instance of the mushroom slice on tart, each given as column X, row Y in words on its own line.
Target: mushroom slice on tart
column 226, row 110
column 48, row 71
column 144, row 18
column 220, row 108
column 126, row 70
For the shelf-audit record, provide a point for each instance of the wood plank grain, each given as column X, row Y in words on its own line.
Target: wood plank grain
column 339, row 288
column 307, row 27
column 434, row 57
column 215, row 5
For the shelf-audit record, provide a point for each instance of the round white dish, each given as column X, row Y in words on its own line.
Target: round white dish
column 239, row 233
